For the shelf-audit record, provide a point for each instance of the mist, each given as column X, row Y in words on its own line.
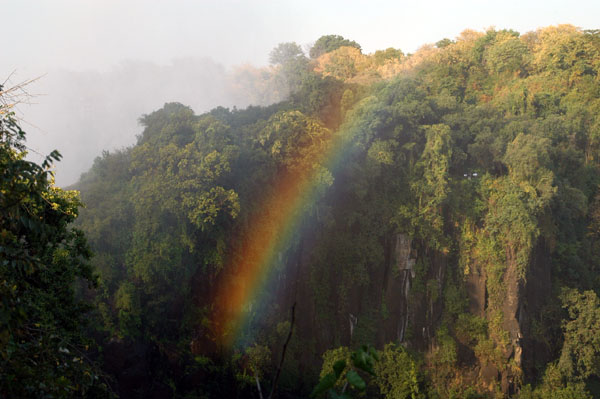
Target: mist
column 89, row 99
column 82, row 113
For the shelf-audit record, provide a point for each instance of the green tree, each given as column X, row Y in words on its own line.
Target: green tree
column 292, row 66
column 42, row 345
column 328, row 43
column 580, row 357
column 285, row 52
column 397, row 374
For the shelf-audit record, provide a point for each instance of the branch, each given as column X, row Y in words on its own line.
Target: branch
column 14, row 95
column 258, row 385
column 284, row 350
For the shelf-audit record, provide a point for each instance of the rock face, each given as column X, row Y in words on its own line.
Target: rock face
column 476, row 290
column 522, row 304
column 403, row 271
column 404, row 302
column 534, row 299
column 510, row 323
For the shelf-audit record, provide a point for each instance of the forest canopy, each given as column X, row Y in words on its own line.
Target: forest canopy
column 432, row 218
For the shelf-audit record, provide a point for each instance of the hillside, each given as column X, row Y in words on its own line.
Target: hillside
column 444, row 201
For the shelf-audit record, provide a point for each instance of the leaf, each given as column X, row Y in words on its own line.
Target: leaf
column 363, row 360
column 373, row 353
column 334, row 395
column 326, row 383
column 355, row 380
column 339, row 367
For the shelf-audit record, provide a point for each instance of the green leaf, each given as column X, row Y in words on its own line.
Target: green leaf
column 373, row 353
column 334, row 395
column 355, row 380
column 326, row 383
column 339, row 367
column 363, row 360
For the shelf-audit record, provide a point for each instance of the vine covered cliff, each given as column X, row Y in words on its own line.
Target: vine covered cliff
column 444, row 201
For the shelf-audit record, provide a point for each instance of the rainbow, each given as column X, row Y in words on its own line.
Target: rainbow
column 273, row 228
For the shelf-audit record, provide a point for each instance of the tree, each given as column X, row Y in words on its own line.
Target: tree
column 292, row 66
column 387, row 55
column 344, row 372
column 397, row 374
column 580, row 357
column 343, row 63
column 285, row 52
column 42, row 348
column 328, row 43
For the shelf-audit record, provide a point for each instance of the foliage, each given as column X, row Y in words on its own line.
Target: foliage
column 580, row 356
column 43, row 349
column 258, row 358
column 328, row 43
column 334, row 356
column 450, row 190
column 397, row 374
column 362, row 359
column 285, row 52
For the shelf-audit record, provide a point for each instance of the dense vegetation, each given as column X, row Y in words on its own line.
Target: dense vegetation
column 454, row 227
column 44, row 351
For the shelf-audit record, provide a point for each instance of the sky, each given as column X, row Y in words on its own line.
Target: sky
column 93, row 39
column 83, row 34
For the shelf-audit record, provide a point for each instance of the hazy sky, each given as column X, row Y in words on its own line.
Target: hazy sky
column 99, row 33
column 91, row 91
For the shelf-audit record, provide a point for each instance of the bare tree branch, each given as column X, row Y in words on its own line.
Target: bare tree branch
column 13, row 95
column 258, row 385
